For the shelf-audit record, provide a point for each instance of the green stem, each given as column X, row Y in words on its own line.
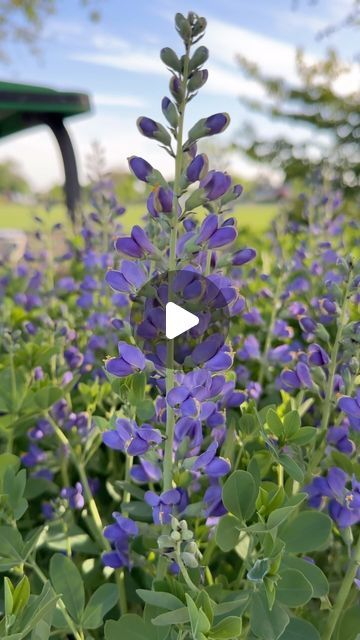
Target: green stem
column 77, row 634
column 327, row 405
column 170, row 422
column 95, row 515
column 343, row 593
column 269, row 335
column 170, row 379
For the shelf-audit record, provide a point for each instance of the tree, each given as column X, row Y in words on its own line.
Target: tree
column 22, row 20
column 315, row 104
column 11, row 180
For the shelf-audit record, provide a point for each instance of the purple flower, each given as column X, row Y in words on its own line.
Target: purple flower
column 213, row 235
column 317, row 356
column 145, row 472
column 119, row 535
column 129, row 279
column 137, row 246
column 210, row 464
column 338, row 437
column 33, row 457
column 217, row 123
column 130, row 438
column 351, row 407
column 250, row 349
column 140, row 168
column 160, row 200
column 243, row 256
column 131, row 361
column 197, row 168
column 344, row 502
column 300, row 378
column 163, row 505
column 74, row 496
column 215, row 184
column 73, row 357
column 214, row 507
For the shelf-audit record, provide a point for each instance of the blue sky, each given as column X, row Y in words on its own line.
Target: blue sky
column 117, row 62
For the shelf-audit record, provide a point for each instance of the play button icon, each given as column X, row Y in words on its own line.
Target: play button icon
column 183, row 310
column 178, row 320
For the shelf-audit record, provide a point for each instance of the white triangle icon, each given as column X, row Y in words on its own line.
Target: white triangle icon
column 178, row 320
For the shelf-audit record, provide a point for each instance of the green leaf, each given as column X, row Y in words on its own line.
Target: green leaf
column 130, row 627
column 312, row 573
column 308, row 531
column 160, row 599
column 8, row 596
column 67, row 581
column 101, row 601
column 226, row 629
column 292, row 468
column 278, row 516
column 7, row 460
column 298, row 629
column 203, row 602
column 227, row 532
column 199, row 622
column 239, row 495
column 304, row 436
column 266, row 624
column 144, row 410
column 21, row 595
column 274, row 422
column 150, row 612
column 293, row 589
column 348, row 625
column 42, row 399
column 179, row 616
column 11, row 546
column 292, row 423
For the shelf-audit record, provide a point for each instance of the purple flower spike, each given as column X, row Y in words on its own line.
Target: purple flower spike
column 131, row 361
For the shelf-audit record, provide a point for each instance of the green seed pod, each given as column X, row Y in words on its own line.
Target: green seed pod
column 169, row 57
column 198, row 58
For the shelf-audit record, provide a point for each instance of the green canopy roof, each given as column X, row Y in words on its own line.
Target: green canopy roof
column 23, row 106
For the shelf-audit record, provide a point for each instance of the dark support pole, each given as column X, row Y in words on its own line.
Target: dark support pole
column 72, row 187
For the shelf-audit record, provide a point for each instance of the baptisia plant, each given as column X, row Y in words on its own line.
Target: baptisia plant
column 182, row 428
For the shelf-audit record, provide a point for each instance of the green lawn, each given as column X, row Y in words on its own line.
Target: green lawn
column 15, row 216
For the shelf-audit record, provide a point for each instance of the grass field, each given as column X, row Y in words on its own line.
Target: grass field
column 16, row 216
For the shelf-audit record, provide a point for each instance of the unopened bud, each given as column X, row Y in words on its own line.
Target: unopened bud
column 169, row 57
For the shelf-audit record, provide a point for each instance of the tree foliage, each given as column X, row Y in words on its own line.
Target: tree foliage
column 312, row 102
column 23, row 20
column 11, row 180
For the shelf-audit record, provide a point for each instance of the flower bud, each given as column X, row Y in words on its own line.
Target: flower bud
column 243, row 256
column 199, row 58
column 183, row 27
column 176, row 89
column 197, row 169
column 198, row 80
column 169, row 57
column 199, row 26
column 142, row 170
column 152, row 129
column 189, row 560
column 170, row 112
column 232, row 194
column 208, row 127
column 176, row 536
column 215, row 184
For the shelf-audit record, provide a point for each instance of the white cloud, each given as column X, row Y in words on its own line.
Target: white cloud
column 130, row 60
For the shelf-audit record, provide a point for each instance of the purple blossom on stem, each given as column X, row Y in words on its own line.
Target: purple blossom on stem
column 130, row 438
